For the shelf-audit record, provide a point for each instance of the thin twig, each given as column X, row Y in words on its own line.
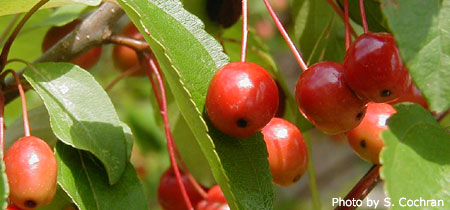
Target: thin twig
column 348, row 38
column 151, row 68
column 363, row 16
column 12, row 37
column 363, row 187
column 286, row 37
column 124, row 74
column 341, row 14
column 244, row 30
column 8, row 28
column 26, row 122
column 93, row 31
column 2, row 123
column 135, row 44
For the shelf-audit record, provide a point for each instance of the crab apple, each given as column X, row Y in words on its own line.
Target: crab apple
column 215, row 200
column 413, row 95
column 374, row 68
column 86, row 60
column 32, row 170
column 224, row 12
column 366, row 139
column 169, row 194
column 326, row 101
column 288, row 154
column 12, row 207
column 124, row 57
column 242, row 98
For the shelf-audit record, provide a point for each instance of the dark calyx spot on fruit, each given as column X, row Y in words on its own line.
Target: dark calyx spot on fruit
column 30, row 203
column 297, row 178
column 385, row 93
column 362, row 143
column 360, row 115
column 241, row 123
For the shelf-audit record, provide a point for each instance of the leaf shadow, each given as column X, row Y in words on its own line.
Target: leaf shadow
column 99, row 132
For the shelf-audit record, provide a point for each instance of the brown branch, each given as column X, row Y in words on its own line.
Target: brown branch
column 95, row 30
column 363, row 187
column 135, row 44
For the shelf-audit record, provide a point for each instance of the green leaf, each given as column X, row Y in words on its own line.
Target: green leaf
column 64, row 15
column 189, row 58
column 13, row 6
column 82, row 177
column 374, row 16
column 81, row 113
column 319, row 31
column 416, row 158
column 421, row 29
column 22, row 49
column 39, row 127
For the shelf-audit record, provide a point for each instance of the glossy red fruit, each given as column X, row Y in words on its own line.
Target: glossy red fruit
column 85, row 61
column 288, row 154
column 124, row 57
column 366, row 139
column 32, row 170
column 12, row 207
column 242, row 98
column 169, row 194
column 326, row 101
column 215, row 200
column 374, row 68
column 412, row 95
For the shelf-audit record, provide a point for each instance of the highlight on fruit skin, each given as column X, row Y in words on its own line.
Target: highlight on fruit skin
column 374, row 69
column 365, row 139
column 214, row 200
column 242, row 98
column 87, row 60
column 288, row 153
column 169, row 194
column 324, row 98
column 32, row 170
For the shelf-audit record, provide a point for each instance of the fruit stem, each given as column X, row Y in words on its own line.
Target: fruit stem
column 311, row 173
column 188, row 174
column 12, row 37
column 135, row 44
column 2, row 123
column 124, row 74
column 244, row 30
column 341, row 14
column 163, row 107
column 363, row 16
column 363, row 187
column 285, row 35
column 26, row 123
column 348, row 38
